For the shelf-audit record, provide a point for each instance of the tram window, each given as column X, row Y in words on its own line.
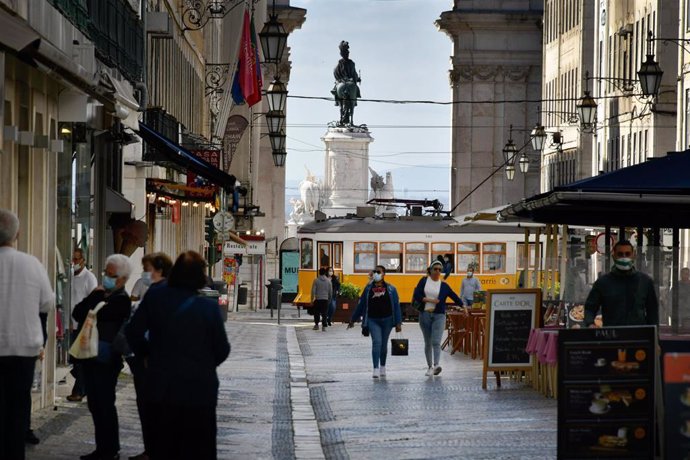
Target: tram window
column 365, row 257
column 306, row 254
column 391, row 256
column 521, row 255
column 443, row 250
column 324, row 255
column 468, row 257
column 417, row 257
column 337, row 255
column 494, row 257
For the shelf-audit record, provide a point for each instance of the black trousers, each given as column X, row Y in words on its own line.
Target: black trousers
column 139, row 372
column 182, row 433
column 101, row 379
column 16, row 377
column 77, row 372
column 320, row 309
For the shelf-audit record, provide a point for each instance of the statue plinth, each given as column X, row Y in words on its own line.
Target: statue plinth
column 347, row 168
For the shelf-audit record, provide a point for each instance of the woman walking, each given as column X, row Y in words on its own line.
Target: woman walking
column 100, row 374
column 379, row 308
column 335, row 283
column 186, row 342
column 433, row 292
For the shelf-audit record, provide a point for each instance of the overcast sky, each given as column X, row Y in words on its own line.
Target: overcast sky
column 400, row 55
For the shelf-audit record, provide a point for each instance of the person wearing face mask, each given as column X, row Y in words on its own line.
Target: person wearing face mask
column 100, row 373
column 379, row 309
column 626, row 297
column 83, row 283
column 143, row 283
column 433, row 292
column 468, row 286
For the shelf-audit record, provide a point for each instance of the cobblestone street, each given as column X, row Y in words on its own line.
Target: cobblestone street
column 290, row 392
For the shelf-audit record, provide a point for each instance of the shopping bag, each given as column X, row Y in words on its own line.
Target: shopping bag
column 86, row 345
column 399, row 346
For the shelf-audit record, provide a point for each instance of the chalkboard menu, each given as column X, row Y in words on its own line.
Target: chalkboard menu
column 606, row 391
column 511, row 315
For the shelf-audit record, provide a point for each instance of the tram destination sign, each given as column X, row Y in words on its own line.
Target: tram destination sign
column 511, row 315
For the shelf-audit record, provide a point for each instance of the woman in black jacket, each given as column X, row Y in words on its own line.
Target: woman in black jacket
column 186, row 342
column 335, row 283
column 100, row 374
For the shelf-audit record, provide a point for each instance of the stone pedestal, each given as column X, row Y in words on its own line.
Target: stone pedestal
column 347, row 169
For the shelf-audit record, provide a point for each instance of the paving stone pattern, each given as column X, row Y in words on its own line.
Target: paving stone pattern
column 289, row 392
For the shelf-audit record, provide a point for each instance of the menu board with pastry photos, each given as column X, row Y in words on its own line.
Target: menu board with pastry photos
column 606, row 440
column 606, row 392
column 677, row 406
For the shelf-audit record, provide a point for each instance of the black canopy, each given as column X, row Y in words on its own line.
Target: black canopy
column 655, row 193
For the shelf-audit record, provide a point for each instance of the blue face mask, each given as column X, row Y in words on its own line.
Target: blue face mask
column 377, row 277
column 109, row 282
column 146, row 278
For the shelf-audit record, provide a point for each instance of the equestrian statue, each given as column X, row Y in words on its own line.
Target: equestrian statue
column 346, row 90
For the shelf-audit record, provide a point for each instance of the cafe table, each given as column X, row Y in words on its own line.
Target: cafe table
column 543, row 346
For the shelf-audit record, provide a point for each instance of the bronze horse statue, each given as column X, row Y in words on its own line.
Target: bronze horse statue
column 346, row 90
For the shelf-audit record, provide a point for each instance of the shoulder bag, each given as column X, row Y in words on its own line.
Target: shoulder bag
column 416, row 304
column 86, row 345
column 399, row 345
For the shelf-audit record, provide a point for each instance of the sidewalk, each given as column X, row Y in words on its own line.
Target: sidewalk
column 291, row 392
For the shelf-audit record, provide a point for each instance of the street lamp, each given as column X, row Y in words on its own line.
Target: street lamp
column 277, row 94
column 587, row 112
column 650, row 72
column 275, row 121
column 538, row 136
column 277, row 141
column 279, row 158
column 509, row 153
column 523, row 163
column 273, row 39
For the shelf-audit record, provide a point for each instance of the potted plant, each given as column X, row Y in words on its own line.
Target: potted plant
column 347, row 301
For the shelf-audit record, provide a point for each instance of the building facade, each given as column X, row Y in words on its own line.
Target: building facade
column 496, row 83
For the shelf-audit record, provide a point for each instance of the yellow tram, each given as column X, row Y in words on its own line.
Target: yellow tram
column 406, row 245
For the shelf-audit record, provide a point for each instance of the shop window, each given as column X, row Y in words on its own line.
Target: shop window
column 306, row 252
column 493, row 257
column 365, row 257
column 417, row 257
column 391, row 257
column 443, row 250
column 468, row 257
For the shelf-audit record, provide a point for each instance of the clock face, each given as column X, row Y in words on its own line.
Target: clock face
column 223, row 221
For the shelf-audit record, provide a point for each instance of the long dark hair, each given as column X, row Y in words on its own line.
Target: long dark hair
column 188, row 271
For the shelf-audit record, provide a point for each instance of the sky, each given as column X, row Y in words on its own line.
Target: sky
column 401, row 55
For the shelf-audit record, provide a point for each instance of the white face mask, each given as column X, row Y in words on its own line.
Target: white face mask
column 470, row 274
column 377, row 277
column 624, row 263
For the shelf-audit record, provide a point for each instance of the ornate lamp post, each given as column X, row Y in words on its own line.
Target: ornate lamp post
column 650, row 72
column 273, row 39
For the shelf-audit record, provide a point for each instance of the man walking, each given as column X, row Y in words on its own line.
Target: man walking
column 321, row 295
column 626, row 296
column 25, row 292
column 468, row 286
column 83, row 282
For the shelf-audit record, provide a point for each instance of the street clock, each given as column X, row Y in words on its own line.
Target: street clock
column 223, row 222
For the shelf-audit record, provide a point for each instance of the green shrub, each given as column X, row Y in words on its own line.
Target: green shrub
column 349, row 290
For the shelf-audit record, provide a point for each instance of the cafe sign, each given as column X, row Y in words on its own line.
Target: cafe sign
column 251, row 248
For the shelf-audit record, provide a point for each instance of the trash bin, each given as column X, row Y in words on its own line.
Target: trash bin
column 242, row 294
column 274, row 287
column 214, row 296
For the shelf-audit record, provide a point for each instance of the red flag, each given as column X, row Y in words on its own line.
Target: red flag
column 250, row 80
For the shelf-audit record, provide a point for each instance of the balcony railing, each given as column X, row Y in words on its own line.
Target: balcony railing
column 118, row 34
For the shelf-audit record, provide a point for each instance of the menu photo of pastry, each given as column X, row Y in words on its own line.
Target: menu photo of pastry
column 575, row 316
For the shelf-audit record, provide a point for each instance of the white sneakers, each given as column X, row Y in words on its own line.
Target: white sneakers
column 376, row 373
column 383, row 371
column 435, row 370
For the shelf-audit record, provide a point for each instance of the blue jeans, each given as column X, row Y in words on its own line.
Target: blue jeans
column 379, row 330
column 432, row 326
column 331, row 310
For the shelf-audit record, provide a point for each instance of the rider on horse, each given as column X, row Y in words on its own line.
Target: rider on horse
column 346, row 90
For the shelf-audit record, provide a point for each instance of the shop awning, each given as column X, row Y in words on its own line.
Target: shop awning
column 655, row 193
column 116, row 202
column 185, row 158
